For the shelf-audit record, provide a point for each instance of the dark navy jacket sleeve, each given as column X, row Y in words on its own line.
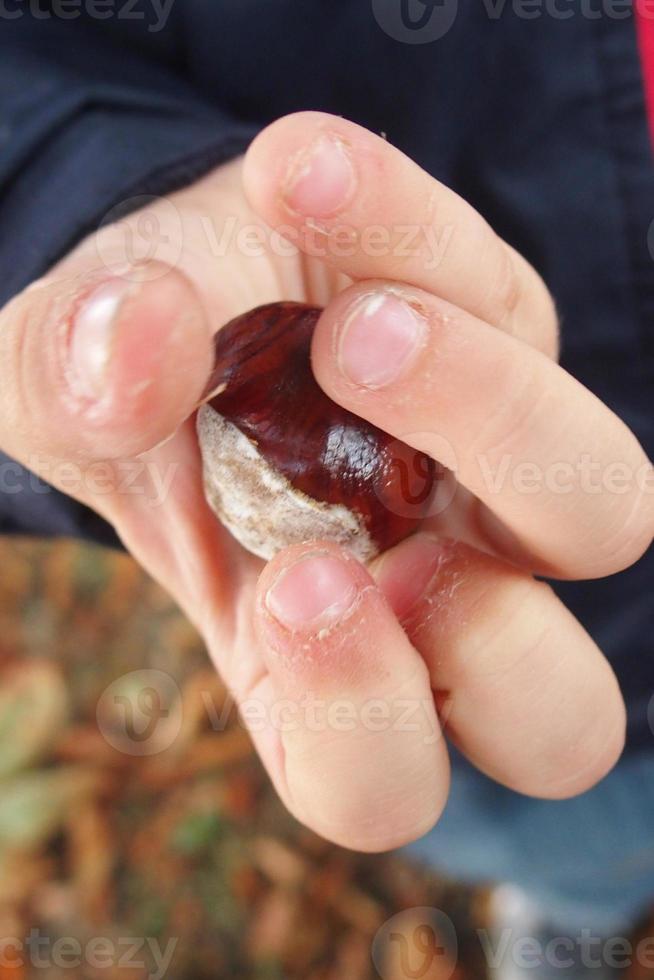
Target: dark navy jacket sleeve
column 87, row 121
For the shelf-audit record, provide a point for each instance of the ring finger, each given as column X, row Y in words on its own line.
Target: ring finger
column 522, row 689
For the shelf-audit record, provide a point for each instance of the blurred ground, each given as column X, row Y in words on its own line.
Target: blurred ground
column 139, row 837
column 170, row 838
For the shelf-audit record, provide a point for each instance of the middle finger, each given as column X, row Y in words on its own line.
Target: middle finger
column 528, row 440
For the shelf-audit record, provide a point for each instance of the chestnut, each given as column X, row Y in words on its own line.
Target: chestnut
column 283, row 463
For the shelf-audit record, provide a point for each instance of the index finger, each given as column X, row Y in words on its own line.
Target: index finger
column 348, row 196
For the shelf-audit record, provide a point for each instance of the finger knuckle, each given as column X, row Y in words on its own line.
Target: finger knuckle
column 506, row 288
column 518, row 287
column 510, row 634
column 21, row 334
column 513, row 421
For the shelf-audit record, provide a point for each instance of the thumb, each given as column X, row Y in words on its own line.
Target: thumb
column 97, row 366
column 360, row 756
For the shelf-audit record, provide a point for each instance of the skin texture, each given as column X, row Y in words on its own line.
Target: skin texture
column 451, row 620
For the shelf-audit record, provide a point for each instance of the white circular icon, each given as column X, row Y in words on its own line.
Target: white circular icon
column 141, row 712
column 141, row 238
column 416, row 944
column 414, row 485
column 415, row 21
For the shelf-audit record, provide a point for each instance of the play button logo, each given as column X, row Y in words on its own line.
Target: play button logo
column 415, row 21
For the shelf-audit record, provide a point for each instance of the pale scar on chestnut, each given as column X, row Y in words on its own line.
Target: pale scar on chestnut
column 283, row 463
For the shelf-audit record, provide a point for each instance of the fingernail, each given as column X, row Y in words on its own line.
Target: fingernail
column 379, row 339
column 321, row 180
column 92, row 335
column 315, row 592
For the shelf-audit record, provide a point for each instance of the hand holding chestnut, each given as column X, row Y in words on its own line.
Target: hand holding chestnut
column 346, row 671
column 283, row 464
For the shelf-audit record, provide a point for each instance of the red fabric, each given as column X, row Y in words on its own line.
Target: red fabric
column 645, row 22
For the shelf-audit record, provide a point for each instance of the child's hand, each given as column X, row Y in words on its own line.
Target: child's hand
column 450, row 347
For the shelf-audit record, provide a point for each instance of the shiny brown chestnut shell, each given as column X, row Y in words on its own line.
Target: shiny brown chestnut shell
column 283, row 463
